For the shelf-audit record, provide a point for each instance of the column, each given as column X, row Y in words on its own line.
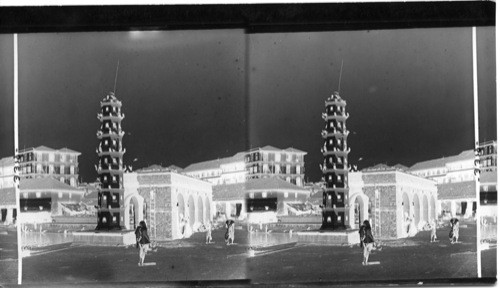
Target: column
column 453, row 208
column 8, row 218
column 468, row 212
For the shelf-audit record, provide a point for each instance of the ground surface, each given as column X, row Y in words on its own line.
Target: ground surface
column 189, row 259
column 405, row 261
column 180, row 262
column 8, row 255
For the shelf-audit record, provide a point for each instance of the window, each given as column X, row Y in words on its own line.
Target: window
column 264, row 194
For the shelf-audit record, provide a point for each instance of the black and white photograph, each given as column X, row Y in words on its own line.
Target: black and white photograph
column 277, row 146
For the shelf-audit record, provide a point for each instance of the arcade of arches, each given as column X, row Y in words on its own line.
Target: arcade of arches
column 172, row 205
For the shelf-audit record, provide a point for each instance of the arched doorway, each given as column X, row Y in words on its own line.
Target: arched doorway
column 416, row 210
column 200, row 210
column 207, row 210
column 192, row 208
column 359, row 214
column 134, row 212
column 425, row 209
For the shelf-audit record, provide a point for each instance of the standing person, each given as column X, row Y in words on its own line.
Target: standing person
column 208, row 238
column 361, row 234
column 454, row 230
column 367, row 240
column 433, row 231
column 143, row 241
column 229, row 232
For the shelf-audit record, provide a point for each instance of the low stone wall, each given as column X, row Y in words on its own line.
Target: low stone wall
column 347, row 237
column 316, row 219
column 74, row 219
column 122, row 238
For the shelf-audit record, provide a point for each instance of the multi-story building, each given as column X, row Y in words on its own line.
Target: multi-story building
column 488, row 156
column 268, row 161
column 42, row 161
column 7, row 172
column 221, row 171
column 457, row 168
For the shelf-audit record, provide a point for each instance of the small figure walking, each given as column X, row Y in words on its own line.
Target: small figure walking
column 366, row 239
column 433, row 231
column 454, row 222
column 142, row 237
column 229, row 236
column 208, row 238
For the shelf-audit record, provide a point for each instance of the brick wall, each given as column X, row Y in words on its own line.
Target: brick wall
column 163, row 210
column 386, row 226
column 152, row 179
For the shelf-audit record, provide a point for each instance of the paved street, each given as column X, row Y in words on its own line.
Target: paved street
column 404, row 261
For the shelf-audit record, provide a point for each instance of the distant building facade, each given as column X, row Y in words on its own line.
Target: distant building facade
column 488, row 156
column 454, row 176
column 221, row 171
column 7, row 172
column 258, row 200
column 169, row 202
column 263, row 162
column 40, row 162
column 268, row 161
column 43, row 198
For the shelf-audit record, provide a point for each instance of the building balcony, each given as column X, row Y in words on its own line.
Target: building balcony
column 112, row 168
column 332, row 100
column 111, row 102
column 335, row 116
column 115, row 118
column 111, row 152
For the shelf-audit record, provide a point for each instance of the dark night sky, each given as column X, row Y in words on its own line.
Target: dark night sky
column 408, row 92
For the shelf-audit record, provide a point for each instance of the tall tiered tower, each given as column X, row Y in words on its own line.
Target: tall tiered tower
column 110, row 168
column 335, row 167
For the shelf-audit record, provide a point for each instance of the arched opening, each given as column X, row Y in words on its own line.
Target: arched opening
column 416, row 210
column 406, row 214
column 207, row 210
column 433, row 208
column 200, row 210
column 180, row 214
column 133, row 213
column 145, row 211
column 191, row 208
column 359, row 214
column 425, row 209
